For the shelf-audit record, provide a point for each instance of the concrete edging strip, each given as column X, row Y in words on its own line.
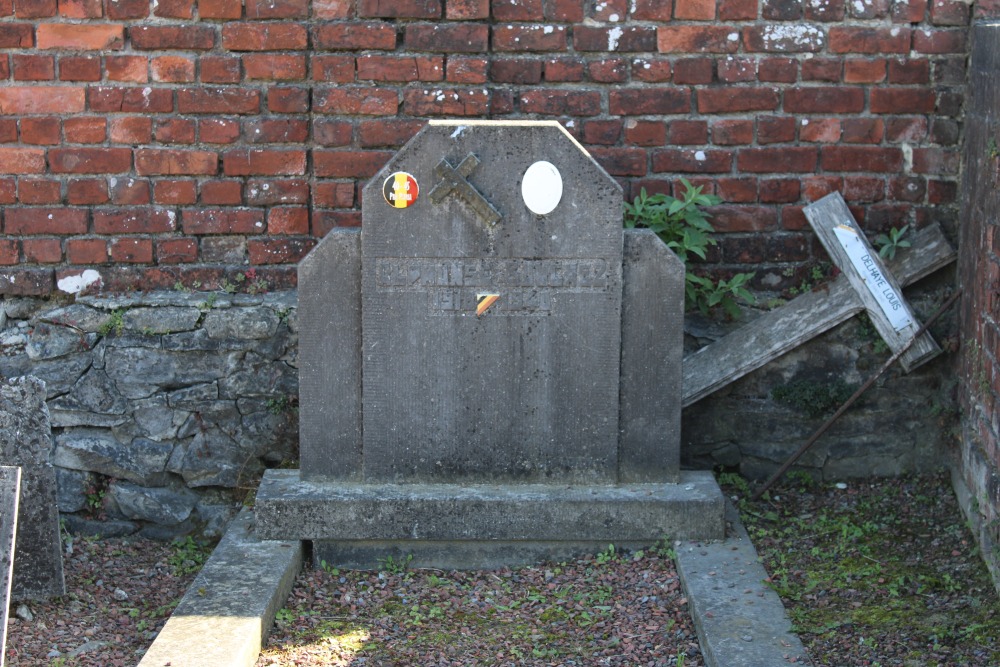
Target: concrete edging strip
column 226, row 614
column 739, row 619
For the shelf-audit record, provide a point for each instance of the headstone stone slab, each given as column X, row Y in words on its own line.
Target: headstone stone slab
column 652, row 322
column 528, row 389
column 26, row 441
column 519, row 362
column 330, row 358
column 10, row 487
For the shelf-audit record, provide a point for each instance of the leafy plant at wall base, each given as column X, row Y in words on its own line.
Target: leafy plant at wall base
column 188, row 556
column 393, row 566
column 705, row 294
column 680, row 223
column 683, row 225
column 868, row 333
column 606, row 556
column 209, row 303
column 95, row 494
column 95, row 498
column 819, row 274
column 116, row 323
column 282, row 404
column 889, row 243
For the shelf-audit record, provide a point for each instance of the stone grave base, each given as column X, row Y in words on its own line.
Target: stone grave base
column 453, row 526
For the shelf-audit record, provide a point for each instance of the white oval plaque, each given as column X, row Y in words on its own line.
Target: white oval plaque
column 542, row 187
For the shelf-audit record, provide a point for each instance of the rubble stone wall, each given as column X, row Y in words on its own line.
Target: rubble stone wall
column 164, row 407
column 167, row 406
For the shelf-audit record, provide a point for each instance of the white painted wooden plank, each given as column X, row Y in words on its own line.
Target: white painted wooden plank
column 878, row 289
column 780, row 330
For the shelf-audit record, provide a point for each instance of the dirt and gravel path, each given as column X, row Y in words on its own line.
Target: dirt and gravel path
column 602, row 610
column 119, row 595
column 872, row 572
column 877, row 572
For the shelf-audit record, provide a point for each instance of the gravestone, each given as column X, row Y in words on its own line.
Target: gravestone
column 490, row 371
column 10, row 487
column 26, row 441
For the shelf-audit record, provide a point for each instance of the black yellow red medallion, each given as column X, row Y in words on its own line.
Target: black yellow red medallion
column 400, row 190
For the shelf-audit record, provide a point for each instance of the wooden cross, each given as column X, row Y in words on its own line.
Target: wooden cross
column 453, row 181
column 807, row 316
column 877, row 287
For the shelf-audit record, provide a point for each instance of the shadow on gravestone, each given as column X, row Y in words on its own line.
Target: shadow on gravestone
column 26, row 441
column 491, row 366
column 10, row 486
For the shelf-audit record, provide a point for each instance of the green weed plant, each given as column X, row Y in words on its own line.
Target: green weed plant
column 814, row 398
column 889, row 243
column 682, row 223
column 187, row 557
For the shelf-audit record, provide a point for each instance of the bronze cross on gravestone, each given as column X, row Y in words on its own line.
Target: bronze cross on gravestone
column 453, row 181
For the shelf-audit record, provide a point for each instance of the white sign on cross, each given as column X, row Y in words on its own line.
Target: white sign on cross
column 863, row 260
column 879, row 291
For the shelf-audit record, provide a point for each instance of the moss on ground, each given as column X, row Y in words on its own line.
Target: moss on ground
column 878, row 572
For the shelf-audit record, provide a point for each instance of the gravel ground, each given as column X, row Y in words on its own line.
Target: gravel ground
column 873, row 573
column 877, row 572
column 605, row 609
column 119, row 595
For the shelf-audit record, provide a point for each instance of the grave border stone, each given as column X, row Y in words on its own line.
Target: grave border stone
column 482, row 525
column 38, row 566
column 10, row 492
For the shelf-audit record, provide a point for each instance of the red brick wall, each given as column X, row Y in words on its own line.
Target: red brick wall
column 977, row 460
column 185, row 140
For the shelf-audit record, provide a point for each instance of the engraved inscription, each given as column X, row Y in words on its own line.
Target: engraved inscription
column 528, row 285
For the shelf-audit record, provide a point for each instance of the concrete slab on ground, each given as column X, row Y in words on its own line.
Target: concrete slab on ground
column 740, row 620
column 453, row 526
column 225, row 616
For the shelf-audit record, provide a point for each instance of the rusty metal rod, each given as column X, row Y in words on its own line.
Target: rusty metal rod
column 855, row 396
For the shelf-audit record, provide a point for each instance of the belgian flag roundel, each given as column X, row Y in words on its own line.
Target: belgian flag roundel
column 400, row 190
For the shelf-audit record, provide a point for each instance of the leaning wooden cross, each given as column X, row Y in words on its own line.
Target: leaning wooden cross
column 875, row 286
column 809, row 315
